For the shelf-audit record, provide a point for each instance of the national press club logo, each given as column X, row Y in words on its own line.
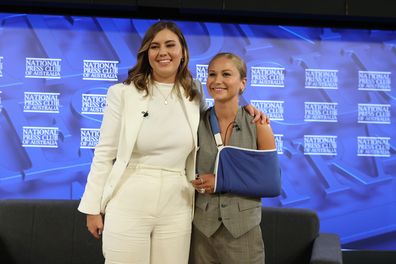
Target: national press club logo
column 320, row 145
column 267, row 77
column 1, row 66
column 374, row 81
column 279, row 143
column 321, row 79
column 374, row 113
column 320, row 112
column 209, row 102
column 201, row 73
column 41, row 102
column 273, row 109
column 44, row 137
column 89, row 137
column 373, row 146
column 43, row 68
column 93, row 104
column 100, row 70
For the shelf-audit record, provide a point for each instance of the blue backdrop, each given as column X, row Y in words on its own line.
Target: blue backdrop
column 328, row 91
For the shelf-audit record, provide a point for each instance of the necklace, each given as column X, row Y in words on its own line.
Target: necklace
column 163, row 96
column 225, row 141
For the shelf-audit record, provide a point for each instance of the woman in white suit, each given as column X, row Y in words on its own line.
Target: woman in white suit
column 145, row 159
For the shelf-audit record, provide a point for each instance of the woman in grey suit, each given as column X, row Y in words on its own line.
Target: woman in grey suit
column 226, row 226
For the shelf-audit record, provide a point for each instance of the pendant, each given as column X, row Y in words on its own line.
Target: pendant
column 166, row 102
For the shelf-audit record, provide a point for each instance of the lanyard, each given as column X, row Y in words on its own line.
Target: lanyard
column 215, row 127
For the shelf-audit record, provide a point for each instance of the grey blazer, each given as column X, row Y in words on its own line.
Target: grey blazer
column 238, row 214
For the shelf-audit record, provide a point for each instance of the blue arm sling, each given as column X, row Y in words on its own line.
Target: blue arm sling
column 244, row 171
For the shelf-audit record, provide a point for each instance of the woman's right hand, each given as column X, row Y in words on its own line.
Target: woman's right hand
column 204, row 183
column 95, row 225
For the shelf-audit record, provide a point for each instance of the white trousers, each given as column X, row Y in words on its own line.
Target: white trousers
column 148, row 221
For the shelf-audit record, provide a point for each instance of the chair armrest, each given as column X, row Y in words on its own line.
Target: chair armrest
column 326, row 249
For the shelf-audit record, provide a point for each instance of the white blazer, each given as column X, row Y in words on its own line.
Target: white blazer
column 120, row 126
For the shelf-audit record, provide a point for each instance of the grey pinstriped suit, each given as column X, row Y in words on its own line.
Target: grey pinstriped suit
column 233, row 214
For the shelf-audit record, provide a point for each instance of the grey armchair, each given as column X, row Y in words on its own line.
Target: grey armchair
column 46, row 232
column 291, row 236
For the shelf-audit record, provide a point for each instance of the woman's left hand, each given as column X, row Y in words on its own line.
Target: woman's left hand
column 204, row 183
column 259, row 117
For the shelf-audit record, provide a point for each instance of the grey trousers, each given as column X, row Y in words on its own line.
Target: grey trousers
column 223, row 248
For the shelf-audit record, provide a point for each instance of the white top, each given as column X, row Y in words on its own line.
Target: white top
column 165, row 138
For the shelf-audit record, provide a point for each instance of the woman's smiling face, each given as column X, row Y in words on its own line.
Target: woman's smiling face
column 224, row 80
column 165, row 54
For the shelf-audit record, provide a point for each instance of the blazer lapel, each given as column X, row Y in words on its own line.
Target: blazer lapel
column 191, row 108
column 135, row 106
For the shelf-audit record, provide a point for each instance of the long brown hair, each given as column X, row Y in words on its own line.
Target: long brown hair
column 141, row 72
